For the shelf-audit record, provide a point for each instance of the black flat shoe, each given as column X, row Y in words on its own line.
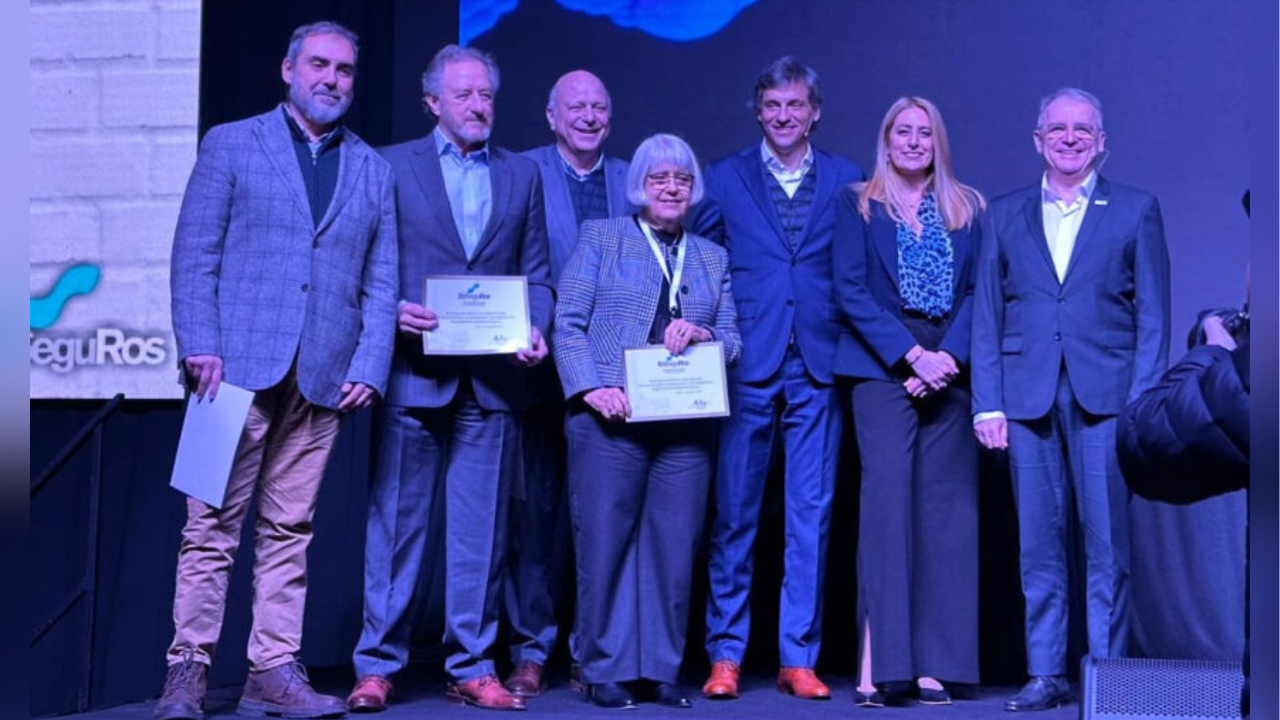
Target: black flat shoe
column 613, row 696
column 870, row 700
column 929, row 696
column 670, row 695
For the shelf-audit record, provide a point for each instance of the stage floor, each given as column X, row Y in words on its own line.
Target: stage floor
column 759, row 701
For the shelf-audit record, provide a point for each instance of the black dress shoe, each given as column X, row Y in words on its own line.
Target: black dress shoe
column 670, row 695
column 1040, row 693
column 614, row 696
column 930, row 696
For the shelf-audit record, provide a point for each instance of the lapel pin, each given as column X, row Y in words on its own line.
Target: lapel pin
column 1100, row 202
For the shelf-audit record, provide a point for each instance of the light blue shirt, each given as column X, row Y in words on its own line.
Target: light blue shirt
column 466, row 181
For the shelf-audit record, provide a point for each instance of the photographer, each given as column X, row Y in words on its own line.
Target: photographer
column 1187, row 438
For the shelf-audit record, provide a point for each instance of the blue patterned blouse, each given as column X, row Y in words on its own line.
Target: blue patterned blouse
column 925, row 263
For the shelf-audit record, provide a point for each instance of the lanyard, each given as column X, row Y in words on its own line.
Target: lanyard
column 672, row 282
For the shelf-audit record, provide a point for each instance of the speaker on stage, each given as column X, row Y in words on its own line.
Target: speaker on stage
column 1147, row 689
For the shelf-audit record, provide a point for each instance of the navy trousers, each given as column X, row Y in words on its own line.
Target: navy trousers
column 537, row 558
column 1064, row 454
column 462, row 456
column 809, row 416
column 638, row 498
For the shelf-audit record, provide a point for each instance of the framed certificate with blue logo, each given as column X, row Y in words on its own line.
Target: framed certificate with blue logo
column 662, row 386
column 478, row 314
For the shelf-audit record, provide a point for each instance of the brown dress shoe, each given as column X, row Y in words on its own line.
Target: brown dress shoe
column 526, row 680
column 184, row 689
column 723, row 682
column 370, row 694
column 484, row 692
column 285, row 691
column 802, row 683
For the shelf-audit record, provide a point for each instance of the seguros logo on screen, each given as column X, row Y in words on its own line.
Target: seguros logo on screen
column 64, row 352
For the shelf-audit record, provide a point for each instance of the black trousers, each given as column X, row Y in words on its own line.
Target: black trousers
column 918, row 526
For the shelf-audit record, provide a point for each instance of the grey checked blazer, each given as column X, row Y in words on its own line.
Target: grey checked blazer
column 257, row 283
column 608, row 297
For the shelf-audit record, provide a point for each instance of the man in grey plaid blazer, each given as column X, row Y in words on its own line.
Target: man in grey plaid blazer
column 284, row 281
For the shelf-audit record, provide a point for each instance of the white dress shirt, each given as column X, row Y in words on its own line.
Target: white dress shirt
column 788, row 179
column 1062, row 219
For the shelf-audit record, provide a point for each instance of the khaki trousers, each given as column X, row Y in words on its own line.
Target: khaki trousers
column 282, row 453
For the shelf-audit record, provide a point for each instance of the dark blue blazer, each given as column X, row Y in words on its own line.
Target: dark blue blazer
column 866, row 266
column 776, row 289
column 1107, row 321
column 514, row 242
column 562, row 225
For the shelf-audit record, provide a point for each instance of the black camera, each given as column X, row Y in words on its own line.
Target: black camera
column 1235, row 322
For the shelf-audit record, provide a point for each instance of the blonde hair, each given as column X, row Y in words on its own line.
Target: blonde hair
column 957, row 203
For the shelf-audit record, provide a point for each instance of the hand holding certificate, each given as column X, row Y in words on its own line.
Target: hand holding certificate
column 663, row 386
column 477, row 315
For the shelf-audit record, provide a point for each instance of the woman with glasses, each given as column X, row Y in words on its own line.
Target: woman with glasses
column 903, row 256
column 638, row 493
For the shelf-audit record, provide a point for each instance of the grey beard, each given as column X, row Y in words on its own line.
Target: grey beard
column 314, row 111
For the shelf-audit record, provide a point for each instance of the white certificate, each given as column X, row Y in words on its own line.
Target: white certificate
column 478, row 314
column 662, row 386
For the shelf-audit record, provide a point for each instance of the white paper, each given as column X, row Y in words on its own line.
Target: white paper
column 210, row 436
column 479, row 315
column 661, row 386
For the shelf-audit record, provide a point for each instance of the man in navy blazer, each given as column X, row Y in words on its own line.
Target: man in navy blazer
column 579, row 183
column 449, row 430
column 1070, row 320
column 772, row 206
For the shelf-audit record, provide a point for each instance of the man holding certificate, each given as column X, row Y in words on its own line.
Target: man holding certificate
column 471, row 217
column 638, row 492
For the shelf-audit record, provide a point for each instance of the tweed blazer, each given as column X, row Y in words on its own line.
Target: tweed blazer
column 256, row 282
column 608, row 297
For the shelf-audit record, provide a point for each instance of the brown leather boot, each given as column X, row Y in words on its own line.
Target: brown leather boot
column 284, row 690
column 184, row 689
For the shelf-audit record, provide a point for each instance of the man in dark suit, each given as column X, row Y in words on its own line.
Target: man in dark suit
column 284, row 283
column 1070, row 320
column 771, row 207
column 449, row 431
column 579, row 183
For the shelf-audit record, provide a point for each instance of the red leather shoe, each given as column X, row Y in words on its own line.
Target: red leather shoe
column 484, row 692
column 526, row 680
column 369, row 695
column 802, row 683
column 723, row 682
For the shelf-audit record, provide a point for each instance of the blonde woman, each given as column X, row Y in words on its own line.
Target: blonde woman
column 904, row 260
